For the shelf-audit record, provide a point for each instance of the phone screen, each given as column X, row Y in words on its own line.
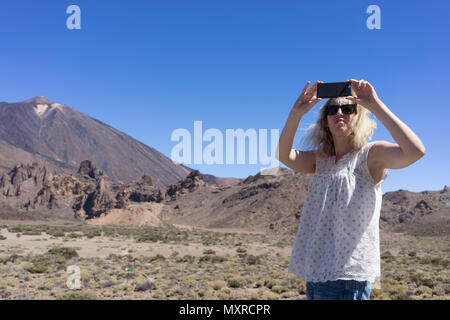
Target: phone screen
column 334, row 89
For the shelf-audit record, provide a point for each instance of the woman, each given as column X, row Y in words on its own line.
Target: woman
column 336, row 249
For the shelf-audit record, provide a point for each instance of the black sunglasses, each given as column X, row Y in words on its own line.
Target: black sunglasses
column 346, row 109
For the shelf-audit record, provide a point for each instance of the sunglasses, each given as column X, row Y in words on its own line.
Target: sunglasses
column 346, row 109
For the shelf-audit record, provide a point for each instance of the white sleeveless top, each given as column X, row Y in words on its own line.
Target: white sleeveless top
column 338, row 233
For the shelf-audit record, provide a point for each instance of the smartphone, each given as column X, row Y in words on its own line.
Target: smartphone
column 334, row 89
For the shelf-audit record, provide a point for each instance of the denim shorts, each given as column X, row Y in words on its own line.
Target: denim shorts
column 338, row 290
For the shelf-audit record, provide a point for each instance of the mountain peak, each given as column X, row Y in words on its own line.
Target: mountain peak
column 39, row 100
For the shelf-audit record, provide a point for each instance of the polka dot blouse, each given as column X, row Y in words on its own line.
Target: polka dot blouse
column 338, row 233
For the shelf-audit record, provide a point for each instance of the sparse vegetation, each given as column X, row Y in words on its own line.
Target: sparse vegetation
column 77, row 296
column 56, row 257
column 166, row 263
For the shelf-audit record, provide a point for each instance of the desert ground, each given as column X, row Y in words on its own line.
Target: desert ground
column 180, row 262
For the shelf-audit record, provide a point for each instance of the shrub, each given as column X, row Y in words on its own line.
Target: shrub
column 251, row 259
column 66, row 253
column 265, row 294
column 31, row 233
column 445, row 263
column 289, row 294
column 235, row 282
column 74, row 235
column 186, row 258
column 55, row 257
column 149, row 237
column 270, row 283
column 436, row 261
column 90, row 233
column 212, row 258
column 158, row 257
column 218, row 284
column 416, row 277
column 209, row 241
column 259, row 283
column 387, row 257
column 12, row 258
column 77, row 296
column 424, row 261
column 36, row 267
column 278, row 289
column 15, row 228
column 401, row 296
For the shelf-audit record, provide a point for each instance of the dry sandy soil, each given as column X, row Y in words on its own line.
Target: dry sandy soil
column 191, row 263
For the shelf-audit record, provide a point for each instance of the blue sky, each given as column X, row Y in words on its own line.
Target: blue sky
column 149, row 67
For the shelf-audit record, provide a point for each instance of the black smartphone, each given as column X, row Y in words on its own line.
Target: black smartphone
column 334, row 89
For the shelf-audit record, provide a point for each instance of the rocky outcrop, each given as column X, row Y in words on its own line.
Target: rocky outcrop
column 88, row 168
column 189, row 184
column 22, row 178
column 193, row 181
column 88, row 193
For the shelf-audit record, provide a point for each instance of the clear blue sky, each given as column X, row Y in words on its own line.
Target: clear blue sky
column 150, row 67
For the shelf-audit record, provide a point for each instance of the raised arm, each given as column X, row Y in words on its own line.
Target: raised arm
column 301, row 161
column 384, row 154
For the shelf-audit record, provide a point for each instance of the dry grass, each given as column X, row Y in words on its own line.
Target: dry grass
column 152, row 263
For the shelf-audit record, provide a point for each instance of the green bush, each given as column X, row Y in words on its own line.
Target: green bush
column 149, row 237
column 36, row 267
column 66, row 253
column 15, row 228
column 56, row 233
column 56, row 257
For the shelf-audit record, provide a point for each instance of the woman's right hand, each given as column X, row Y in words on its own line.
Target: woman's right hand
column 307, row 99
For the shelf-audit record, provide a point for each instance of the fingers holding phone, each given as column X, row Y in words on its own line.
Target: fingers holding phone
column 307, row 98
column 365, row 93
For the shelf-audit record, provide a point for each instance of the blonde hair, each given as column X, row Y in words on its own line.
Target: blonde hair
column 320, row 139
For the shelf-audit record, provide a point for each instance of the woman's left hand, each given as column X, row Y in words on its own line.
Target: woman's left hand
column 365, row 94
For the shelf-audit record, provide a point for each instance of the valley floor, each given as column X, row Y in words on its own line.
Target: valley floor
column 191, row 263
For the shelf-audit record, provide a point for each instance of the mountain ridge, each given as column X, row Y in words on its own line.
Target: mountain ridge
column 61, row 136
